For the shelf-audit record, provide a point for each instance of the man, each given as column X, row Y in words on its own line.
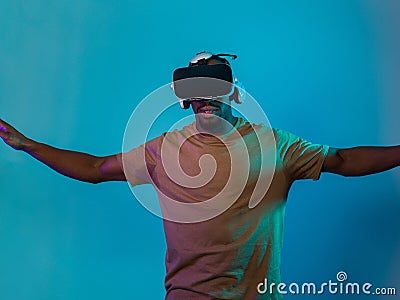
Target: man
column 222, row 255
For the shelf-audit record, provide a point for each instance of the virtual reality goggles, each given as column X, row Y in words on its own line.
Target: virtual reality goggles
column 200, row 81
column 205, row 81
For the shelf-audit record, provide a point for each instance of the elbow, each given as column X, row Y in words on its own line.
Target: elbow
column 96, row 175
column 346, row 174
column 95, row 180
column 86, row 179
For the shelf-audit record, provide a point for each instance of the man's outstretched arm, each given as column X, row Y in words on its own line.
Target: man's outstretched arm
column 77, row 165
column 359, row 161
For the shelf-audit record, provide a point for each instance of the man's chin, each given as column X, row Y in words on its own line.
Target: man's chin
column 209, row 122
column 213, row 115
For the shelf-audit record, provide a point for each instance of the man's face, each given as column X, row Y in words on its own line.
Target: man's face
column 211, row 114
column 209, row 109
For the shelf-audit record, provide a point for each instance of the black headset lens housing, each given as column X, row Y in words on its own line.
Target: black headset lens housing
column 199, row 81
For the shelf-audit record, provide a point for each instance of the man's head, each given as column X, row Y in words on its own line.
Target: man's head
column 212, row 115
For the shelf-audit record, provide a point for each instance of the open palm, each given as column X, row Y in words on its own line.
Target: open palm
column 11, row 136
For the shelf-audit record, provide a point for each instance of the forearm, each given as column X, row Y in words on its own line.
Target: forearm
column 77, row 165
column 366, row 160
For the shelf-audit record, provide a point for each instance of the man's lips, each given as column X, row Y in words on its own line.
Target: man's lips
column 209, row 109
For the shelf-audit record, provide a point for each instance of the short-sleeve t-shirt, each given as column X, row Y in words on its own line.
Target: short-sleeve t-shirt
column 226, row 256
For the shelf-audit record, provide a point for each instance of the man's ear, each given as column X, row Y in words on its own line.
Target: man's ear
column 235, row 96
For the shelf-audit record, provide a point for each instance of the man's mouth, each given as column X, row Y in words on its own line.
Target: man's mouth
column 209, row 109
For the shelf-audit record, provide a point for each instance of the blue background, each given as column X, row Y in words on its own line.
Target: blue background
column 71, row 73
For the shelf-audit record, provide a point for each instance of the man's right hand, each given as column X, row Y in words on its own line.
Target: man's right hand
column 77, row 165
column 11, row 136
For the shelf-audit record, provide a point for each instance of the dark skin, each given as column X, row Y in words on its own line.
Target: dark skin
column 77, row 165
column 214, row 117
column 357, row 161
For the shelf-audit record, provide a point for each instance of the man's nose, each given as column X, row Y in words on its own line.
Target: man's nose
column 208, row 101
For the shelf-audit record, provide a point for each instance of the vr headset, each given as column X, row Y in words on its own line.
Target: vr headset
column 204, row 81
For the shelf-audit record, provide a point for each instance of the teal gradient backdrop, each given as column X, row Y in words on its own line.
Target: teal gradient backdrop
column 71, row 73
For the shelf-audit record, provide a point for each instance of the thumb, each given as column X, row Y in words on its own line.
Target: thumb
column 4, row 126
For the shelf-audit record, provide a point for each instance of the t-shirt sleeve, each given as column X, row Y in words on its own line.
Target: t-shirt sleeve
column 299, row 158
column 140, row 162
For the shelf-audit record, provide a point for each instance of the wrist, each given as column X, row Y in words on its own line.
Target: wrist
column 28, row 145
